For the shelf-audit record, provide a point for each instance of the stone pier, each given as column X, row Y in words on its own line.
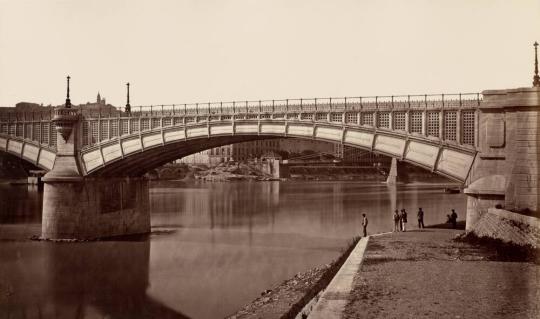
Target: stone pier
column 95, row 208
column 393, row 173
column 77, row 207
column 274, row 167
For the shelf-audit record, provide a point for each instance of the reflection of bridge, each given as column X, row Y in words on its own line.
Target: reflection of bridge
column 461, row 136
column 98, row 280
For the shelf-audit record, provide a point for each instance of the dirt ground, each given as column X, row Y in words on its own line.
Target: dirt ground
column 425, row 274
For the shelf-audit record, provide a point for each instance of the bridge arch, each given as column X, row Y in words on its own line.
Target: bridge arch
column 133, row 155
column 29, row 152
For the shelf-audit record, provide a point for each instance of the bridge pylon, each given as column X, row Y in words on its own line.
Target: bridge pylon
column 392, row 174
column 75, row 207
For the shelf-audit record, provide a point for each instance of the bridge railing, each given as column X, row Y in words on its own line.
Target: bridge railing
column 449, row 117
column 406, row 102
column 337, row 104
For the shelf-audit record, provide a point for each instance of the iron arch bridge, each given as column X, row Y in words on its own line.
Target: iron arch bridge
column 436, row 132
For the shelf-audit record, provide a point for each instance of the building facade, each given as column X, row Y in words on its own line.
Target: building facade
column 293, row 146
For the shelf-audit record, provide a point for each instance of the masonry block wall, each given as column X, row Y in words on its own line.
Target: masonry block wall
column 522, row 189
column 506, row 168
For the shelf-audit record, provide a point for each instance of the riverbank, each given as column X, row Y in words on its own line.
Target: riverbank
column 428, row 274
column 287, row 299
column 435, row 272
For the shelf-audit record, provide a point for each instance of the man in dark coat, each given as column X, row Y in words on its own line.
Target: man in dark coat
column 420, row 218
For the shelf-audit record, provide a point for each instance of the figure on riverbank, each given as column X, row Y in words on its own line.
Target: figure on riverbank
column 420, row 218
column 400, row 220
column 403, row 220
column 397, row 226
column 453, row 218
column 364, row 224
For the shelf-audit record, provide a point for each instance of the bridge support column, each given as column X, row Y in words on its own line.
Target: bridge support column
column 95, row 208
column 80, row 208
column 506, row 168
column 393, row 174
column 275, row 168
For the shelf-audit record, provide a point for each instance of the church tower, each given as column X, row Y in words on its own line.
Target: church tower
column 98, row 101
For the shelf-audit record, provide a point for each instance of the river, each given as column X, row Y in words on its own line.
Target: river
column 213, row 247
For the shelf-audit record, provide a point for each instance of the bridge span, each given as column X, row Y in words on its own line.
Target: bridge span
column 481, row 140
column 437, row 132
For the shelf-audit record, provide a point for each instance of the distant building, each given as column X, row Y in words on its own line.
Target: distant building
column 233, row 152
column 28, row 107
column 254, row 149
column 349, row 154
column 100, row 100
column 99, row 106
column 299, row 145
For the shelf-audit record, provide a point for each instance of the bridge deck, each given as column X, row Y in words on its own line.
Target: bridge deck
column 438, row 132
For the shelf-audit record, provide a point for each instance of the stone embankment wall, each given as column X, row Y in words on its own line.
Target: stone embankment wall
column 508, row 226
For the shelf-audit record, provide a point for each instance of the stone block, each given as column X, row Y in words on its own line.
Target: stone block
column 293, row 129
column 422, row 153
column 389, row 145
column 455, row 163
column 31, row 152
column 226, row 129
column 152, row 140
column 245, row 128
column 131, row 145
column 359, row 138
column 111, row 152
column 92, row 160
column 495, row 132
column 299, row 130
column 15, row 147
column 328, row 133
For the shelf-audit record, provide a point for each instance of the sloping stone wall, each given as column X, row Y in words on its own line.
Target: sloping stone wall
column 509, row 227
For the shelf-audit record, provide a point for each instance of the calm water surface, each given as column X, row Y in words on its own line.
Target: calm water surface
column 213, row 247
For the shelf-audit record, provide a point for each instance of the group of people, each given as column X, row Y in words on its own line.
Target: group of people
column 400, row 220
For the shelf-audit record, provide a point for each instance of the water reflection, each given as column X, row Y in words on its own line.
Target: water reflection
column 19, row 204
column 214, row 247
column 78, row 280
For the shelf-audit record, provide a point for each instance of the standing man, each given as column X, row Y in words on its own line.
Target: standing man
column 400, row 214
column 364, row 224
column 453, row 218
column 403, row 220
column 396, row 221
column 420, row 218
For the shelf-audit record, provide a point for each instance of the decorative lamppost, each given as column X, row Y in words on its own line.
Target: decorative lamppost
column 128, row 107
column 68, row 101
column 65, row 118
column 536, row 78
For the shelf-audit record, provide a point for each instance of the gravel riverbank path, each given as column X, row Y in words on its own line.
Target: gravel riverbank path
column 426, row 274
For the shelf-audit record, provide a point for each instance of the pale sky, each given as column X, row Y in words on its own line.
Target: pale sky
column 198, row 51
